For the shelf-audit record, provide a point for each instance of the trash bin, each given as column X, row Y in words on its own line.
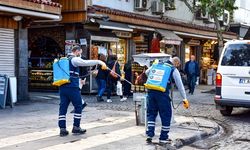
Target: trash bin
column 140, row 100
column 210, row 73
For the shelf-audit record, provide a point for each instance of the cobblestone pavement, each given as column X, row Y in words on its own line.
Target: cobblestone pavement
column 237, row 126
column 237, row 129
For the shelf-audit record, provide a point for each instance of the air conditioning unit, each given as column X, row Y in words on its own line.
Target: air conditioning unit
column 201, row 15
column 89, row 3
column 170, row 5
column 158, row 7
column 220, row 18
column 197, row 4
column 141, row 5
column 210, row 19
column 226, row 18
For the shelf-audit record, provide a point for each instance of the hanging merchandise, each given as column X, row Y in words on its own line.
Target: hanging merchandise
column 155, row 45
column 94, row 52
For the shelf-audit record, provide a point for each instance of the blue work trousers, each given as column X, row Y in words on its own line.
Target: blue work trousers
column 158, row 102
column 67, row 95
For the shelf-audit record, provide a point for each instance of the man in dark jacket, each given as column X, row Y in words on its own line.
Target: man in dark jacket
column 192, row 71
column 128, row 76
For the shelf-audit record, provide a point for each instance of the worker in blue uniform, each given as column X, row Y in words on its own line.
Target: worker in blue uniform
column 159, row 102
column 70, row 92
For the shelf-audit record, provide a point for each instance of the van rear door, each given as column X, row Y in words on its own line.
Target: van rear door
column 235, row 71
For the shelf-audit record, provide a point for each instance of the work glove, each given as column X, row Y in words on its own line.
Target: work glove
column 104, row 67
column 185, row 103
column 121, row 79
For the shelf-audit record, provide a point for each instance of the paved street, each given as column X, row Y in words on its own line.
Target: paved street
column 104, row 121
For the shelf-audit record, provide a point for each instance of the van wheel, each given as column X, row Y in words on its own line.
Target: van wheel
column 227, row 111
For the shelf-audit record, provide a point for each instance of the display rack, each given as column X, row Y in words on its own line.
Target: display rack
column 142, row 46
column 41, row 79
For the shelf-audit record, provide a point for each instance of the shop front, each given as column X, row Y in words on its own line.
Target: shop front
column 209, row 60
column 45, row 44
column 206, row 55
column 143, row 37
column 100, row 42
column 170, row 43
column 15, row 19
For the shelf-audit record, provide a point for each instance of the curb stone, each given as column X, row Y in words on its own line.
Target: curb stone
column 178, row 143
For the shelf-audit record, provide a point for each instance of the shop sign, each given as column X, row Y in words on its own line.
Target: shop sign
column 194, row 42
column 123, row 34
column 171, row 42
column 68, row 45
column 83, row 42
column 138, row 38
column 104, row 38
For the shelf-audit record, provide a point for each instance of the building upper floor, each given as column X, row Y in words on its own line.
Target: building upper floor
column 174, row 9
column 242, row 14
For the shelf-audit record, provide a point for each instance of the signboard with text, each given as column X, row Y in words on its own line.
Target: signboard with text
column 3, row 90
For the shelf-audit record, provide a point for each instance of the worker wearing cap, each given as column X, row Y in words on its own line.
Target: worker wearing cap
column 160, row 102
column 70, row 92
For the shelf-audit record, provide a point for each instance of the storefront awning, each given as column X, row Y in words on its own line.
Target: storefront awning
column 169, row 37
column 113, row 26
column 103, row 36
column 141, row 28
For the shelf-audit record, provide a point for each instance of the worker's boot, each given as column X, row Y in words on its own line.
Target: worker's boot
column 63, row 132
column 78, row 130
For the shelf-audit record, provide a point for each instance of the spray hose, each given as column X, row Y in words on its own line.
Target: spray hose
column 119, row 76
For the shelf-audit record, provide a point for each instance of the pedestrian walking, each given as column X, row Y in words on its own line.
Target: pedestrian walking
column 159, row 101
column 110, row 55
column 128, row 76
column 112, row 78
column 192, row 71
column 101, row 79
column 70, row 92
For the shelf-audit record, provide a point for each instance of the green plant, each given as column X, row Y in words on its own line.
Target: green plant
column 215, row 8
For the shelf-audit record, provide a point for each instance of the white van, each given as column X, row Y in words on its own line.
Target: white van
column 233, row 77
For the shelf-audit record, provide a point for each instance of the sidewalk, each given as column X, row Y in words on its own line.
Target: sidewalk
column 33, row 125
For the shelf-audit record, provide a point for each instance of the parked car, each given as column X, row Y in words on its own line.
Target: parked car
column 233, row 77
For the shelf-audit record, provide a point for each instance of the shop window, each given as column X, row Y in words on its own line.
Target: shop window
column 43, row 51
column 99, row 47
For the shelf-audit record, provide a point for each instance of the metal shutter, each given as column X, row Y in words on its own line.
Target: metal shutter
column 7, row 52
